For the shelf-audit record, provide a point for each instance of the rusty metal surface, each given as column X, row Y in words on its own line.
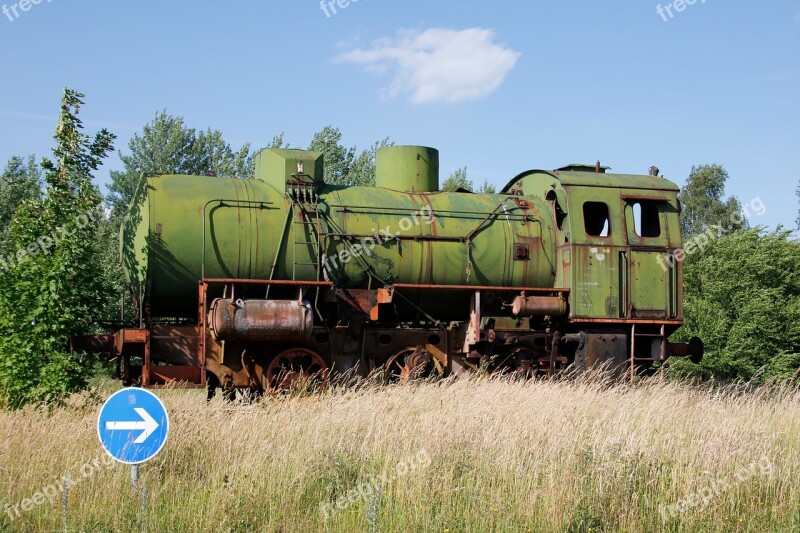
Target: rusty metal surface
column 487, row 288
column 607, row 348
column 175, row 345
column 293, row 364
column 356, row 303
column 287, row 282
column 261, row 320
column 521, row 252
column 694, row 349
column 133, row 335
column 586, row 320
column 384, row 298
column 540, row 306
column 410, row 364
column 202, row 341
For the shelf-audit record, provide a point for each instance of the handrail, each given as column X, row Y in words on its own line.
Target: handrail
column 222, row 203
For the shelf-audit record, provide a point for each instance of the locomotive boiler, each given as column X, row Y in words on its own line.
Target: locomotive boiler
column 253, row 283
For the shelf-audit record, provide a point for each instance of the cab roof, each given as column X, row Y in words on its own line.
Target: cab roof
column 571, row 178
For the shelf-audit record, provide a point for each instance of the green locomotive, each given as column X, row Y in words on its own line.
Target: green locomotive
column 253, row 283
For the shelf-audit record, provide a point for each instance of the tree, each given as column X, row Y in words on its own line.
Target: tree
column 167, row 146
column 486, row 188
column 277, row 142
column 218, row 159
column 798, row 211
column 703, row 204
column 459, row 180
column 342, row 166
column 362, row 171
column 52, row 288
column 20, row 181
column 742, row 297
column 338, row 158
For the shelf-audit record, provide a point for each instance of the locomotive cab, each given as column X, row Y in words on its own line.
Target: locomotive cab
column 616, row 236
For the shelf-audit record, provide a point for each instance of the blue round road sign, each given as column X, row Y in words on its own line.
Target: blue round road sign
column 133, row 425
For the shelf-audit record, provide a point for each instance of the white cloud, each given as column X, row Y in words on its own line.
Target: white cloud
column 437, row 65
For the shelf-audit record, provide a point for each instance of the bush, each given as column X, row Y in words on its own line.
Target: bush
column 742, row 297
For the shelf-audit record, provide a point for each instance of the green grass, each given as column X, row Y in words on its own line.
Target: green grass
column 489, row 455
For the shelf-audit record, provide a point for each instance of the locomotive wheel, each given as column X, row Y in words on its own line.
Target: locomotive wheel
column 293, row 364
column 408, row 364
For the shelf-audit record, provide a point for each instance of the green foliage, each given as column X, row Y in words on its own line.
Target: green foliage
column 217, row 158
column 342, row 166
column 110, row 274
column 703, row 203
column 167, row 146
column 21, row 180
column 459, row 180
column 54, row 287
column 742, row 297
column 798, row 211
column 362, row 172
column 338, row 158
column 277, row 142
column 486, row 188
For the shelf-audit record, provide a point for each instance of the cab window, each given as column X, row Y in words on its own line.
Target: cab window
column 646, row 219
column 596, row 220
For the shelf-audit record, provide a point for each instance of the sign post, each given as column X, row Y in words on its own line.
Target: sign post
column 133, row 426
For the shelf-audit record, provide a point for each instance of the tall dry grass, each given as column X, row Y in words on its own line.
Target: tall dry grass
column 580, row 455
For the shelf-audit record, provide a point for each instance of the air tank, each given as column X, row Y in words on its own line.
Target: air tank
column 261, row 320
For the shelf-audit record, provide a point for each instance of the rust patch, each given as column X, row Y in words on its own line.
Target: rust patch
column 261, row 320
column 356, row 303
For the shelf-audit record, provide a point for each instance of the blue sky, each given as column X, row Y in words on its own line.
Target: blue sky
column 499, row 87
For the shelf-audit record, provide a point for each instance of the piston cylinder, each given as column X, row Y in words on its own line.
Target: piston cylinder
column 261, row 320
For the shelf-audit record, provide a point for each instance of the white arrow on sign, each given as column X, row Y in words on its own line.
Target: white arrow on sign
column 147, row 425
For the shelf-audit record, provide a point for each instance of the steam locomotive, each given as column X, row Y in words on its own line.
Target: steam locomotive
column 256, row 283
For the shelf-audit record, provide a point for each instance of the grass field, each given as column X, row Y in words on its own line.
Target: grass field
column 471, row 455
